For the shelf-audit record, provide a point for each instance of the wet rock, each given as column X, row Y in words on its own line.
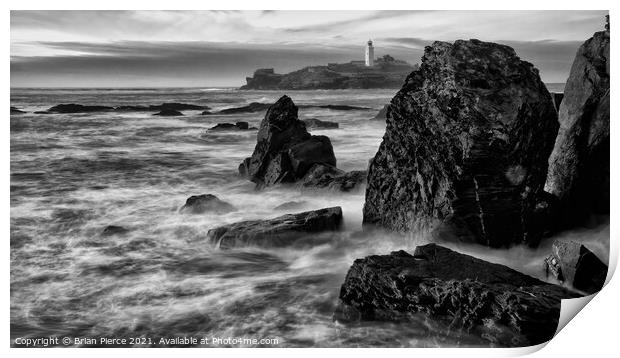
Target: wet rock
column 330, row 177
column 382, row 114
column 579, row 164
column 77, row 108
column 281, row 231
column 15, row 110
column 168, row 113
column 198, row 204
column 112, row 230
column 466, row 147
column 572, row 263
column 319, row 124
column 461, row 290
column 291, row 205
column 229, row 126
column 285, row 150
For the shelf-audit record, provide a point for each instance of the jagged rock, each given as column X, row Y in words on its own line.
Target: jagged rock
column 198, row 204
column 459, row 289
column 572, row 263
column 168, row 113
column 77, row 108
column 280, row 231
column 290, row 205
column 319, row 124
column 112, row 230
column 285, row 150
column 239, row 126
column 329, row 177
column 15, row 110
column 382, row 114
column 557, row 99
column 466, row 146
column 579, row 164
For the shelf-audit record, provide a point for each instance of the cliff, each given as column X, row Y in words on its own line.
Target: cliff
column 386, row 73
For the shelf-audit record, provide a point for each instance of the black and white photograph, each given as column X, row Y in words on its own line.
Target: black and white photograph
column 305, row 178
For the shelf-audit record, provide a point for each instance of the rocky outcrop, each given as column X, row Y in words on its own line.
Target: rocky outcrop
column 281, row 231
column 387, row 73
column 579, row 164
column 461, row 290
column 285, row 150
column 572, row 263
column 314, row 123
column 239, row 126
column 78, row 108
column 199, row 204
column 168, row 113
column 322, row 176
column 466, row 146
column 15, row 110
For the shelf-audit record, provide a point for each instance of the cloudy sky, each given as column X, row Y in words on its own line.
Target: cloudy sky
column 221, row 48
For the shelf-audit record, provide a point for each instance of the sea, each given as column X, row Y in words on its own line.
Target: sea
column 74, row 174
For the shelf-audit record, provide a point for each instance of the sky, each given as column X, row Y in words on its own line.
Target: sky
column 221, row 48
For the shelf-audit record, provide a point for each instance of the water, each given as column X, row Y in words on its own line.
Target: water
column 74, row 174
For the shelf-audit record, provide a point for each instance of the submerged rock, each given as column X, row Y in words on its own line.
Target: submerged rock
column 168, row 113
column 461, row 290
column 198, row 204
column 77, row 108
column 111, row 230
column 281, row 231
column 291, row 205
column 319, row 124
column 466, row 146
column 285, row 150
column 329, row 177
column 250, row 108
column 579, row 164
column 572, row 263
column 243, row 126
column 15, row 110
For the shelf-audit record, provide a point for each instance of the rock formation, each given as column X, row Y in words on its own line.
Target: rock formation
column 572, row 263
column 285, row 150
column 579, row 164
column 112, row 230
column 198, row 204
column 461, row 290
column 466, row 146
column 314, row 123
column 239, row 126
column 322, row 176
column 15, row 110
column 281, row 231
column 168, row 113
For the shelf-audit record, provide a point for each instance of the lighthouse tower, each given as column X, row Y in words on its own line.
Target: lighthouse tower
column 370, row 54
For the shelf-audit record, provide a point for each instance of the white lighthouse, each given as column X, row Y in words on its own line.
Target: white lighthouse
column 370, row 54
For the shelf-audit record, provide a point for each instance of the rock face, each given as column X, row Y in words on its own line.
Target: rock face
column 466, row 146
column 198, row 204
column 285, row 150
column 465, row 291
column 579, row 164
column 168, row 113
column 329, row 177
column 319, row 124
column 572, row 263
column 281, row 231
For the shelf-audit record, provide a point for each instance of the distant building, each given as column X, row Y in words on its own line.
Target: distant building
column 370, row 54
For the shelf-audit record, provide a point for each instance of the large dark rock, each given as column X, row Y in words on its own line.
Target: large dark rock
column 572, row 263
column 579, row 164
column 168, row 113
column 466, row 146
column 329, row 177
column 198, row 204
column 285, row 150
column 280, row 231
column 159, row 107
column 112, row 230
column 314, row 123
column 461, row 290
column 77, row 108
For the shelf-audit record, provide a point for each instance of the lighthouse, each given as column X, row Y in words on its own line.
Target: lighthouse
column 370, row 54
